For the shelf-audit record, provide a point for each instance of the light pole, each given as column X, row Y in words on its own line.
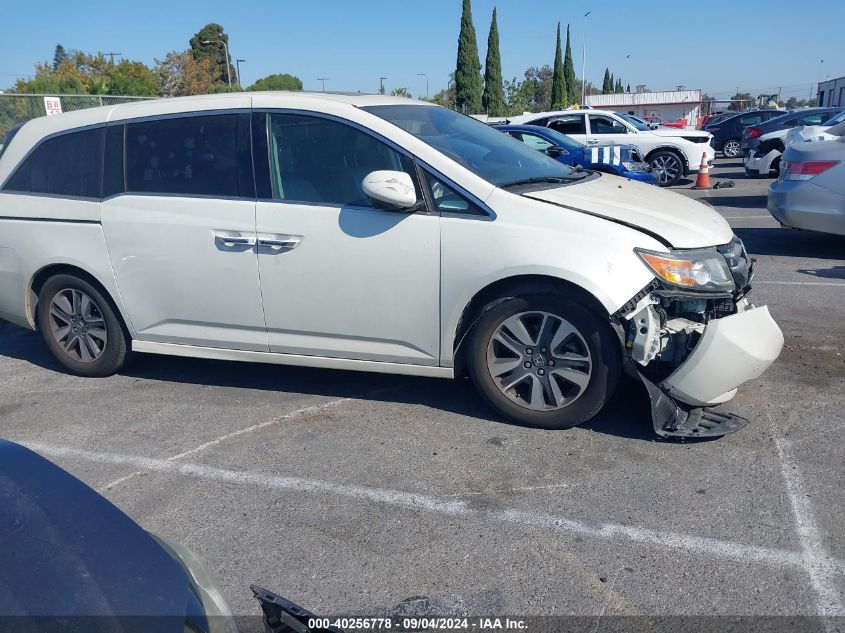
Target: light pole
column 627, row 59
column 381, row 85
column 426, row 83
column 584, row 64
column 226, row 49
column 324, row 80
column 238, row 68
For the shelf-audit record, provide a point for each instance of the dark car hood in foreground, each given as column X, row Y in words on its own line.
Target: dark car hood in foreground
column 67, row 551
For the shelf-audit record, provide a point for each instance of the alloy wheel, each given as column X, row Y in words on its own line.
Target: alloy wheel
column 667, row 167
column 731, row 149
column 77, row 325
column 539, row 360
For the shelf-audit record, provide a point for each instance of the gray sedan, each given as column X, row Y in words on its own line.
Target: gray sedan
column 810, row 192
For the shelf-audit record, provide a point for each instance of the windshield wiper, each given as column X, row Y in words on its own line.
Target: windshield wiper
column 548, row 179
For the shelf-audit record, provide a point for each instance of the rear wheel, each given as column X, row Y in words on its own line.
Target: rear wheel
column 731, row 148
column 668, row 166
column 543, row 361
column 80, row 327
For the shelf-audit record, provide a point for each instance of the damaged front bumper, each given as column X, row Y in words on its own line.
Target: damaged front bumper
column 758, row 165
column 692, row 353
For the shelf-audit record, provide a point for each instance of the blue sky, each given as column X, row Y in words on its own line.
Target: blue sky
column 751, row 44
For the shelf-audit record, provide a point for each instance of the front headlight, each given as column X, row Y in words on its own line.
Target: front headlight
column 635, row 166
column 699, row 269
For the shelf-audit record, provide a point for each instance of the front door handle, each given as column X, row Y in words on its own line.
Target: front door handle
column 279, row 244
column 234, row 240
column 593, row 141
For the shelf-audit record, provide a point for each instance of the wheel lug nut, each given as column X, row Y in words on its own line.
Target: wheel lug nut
column 541, row 371
column 528, row 350
column 526, row 364
column 551, row 363
column 542, row 350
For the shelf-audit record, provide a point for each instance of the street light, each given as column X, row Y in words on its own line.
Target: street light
column 238, row 68
column 324, row 80
column 426, row 83
column 584, row 64
column 225, row 48
column 381, row 85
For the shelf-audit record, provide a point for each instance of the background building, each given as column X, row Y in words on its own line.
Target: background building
column 670, row 105
column 832, row 92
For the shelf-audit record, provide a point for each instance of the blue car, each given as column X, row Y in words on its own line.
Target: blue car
column 621, row 160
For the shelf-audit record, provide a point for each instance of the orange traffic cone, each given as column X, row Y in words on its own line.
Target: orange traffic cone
column 703, row 180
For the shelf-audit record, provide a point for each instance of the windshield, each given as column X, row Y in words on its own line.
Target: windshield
column 640, row 125
column 497, row 158
column 837, row 119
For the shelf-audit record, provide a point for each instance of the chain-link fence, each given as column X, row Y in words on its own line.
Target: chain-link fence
column 20, row 108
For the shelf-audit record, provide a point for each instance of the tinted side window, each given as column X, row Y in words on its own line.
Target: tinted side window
column 196, row 155
column 313, row 159
column 569, row 125
column 66, row 165
column 813, row 119
column 447, row 200
column 605, row 125
column 536, row 142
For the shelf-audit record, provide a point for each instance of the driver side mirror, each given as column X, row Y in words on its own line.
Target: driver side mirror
column 391, row 190
column 556, row 150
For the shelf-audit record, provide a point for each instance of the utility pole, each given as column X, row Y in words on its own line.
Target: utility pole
column 324, row 80
column 426, row 83
column 228, row 62
column 238, row 69
column 381, row 85
column 111, row 55
column 584, row 64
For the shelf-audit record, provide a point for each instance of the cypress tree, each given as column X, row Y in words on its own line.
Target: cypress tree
column 611, row 84
column 619, row 88
column 606, row 85
column 569, row 72
column 628, row 89
column 493, row 99
column 468, row 70
column 559, row 92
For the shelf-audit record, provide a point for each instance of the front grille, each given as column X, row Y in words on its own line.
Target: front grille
column 739, row 263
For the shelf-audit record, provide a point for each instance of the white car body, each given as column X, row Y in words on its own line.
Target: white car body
column 353, row 287
column 761, row 165
column 646, row 141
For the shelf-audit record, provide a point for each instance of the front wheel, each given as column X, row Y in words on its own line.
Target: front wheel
column 80, row 327
column 731, row 148
column 668, row 167
column 543, row 361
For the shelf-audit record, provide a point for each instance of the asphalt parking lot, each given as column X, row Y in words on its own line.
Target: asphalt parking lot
column 363, row 494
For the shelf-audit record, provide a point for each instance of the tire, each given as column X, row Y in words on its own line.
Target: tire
column 668, row 166
column 81, row 327
column 731, row 148
column 585, row 334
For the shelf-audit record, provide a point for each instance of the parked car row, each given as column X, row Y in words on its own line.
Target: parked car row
column 672, row 153
column 727, row 129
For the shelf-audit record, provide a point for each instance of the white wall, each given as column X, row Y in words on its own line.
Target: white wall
column 669, row 112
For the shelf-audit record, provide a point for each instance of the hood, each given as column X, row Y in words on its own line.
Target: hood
column 815, row 133
column 67, row 551
column 675, row 132
column 678, row 220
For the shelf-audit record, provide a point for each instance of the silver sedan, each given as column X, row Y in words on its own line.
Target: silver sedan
column 810, row 191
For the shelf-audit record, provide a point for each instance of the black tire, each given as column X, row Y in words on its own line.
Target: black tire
column 659, row 159
column 115, row 352
column 731, row 148
column 604, row 348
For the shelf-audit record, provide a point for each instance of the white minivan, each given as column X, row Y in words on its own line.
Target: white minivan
column 372, row 233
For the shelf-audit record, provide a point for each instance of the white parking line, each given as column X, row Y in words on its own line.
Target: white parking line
column 750, row 554
column 817, row 562
column 801, row 283
column 747, row 217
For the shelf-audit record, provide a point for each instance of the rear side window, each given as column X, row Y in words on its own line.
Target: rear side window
column 205, row 155
column 66, row 165
column 574, row 124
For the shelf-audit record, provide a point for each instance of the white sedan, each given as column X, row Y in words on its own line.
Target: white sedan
column 672, row 153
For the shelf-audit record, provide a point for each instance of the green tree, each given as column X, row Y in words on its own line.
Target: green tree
column 215, row 51
column 628, row 89
column 740, row 101
column 493, row 99
column 133, row 79
column 446, row 97
column 468, row 69
column 59, row 56
column 181, row 74
column 559, row 92
column 606, row 85
column 541, row 81
column 619, row 88
column 277, row 82
column 569, row 72
column 611, row 85
column 791, row 103
column 401, row 92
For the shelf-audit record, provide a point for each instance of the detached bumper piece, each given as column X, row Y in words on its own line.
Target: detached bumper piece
column 672, row 418
column 283, row 616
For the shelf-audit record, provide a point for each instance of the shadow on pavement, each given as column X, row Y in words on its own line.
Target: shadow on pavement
column 627, row 415
column 740, row 202
column 791, row 243
column 837, row 272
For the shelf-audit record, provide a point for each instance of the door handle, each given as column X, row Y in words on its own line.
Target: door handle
column 593, row 141
column 234, row 240
column 286, row 244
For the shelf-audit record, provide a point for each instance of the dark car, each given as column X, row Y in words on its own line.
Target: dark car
column 621, row 160
column 727, row 132
column 70, row 561
column 809, row 116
